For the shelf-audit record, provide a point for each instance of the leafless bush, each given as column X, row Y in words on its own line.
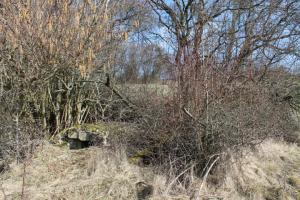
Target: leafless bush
column 18, row 138
column 56, row 57
column 225, row 99
column 244, row 116
column 57, row 67
column 18, row 135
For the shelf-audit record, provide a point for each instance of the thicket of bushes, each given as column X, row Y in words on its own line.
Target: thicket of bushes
column 244, row 117
column 56, row 72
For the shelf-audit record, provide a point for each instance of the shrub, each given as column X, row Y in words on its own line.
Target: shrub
column 177, row 141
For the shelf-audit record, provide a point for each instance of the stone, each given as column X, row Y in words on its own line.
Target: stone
column 84, row 136
column 144, row 190
column 3, row 166
column 73, row 135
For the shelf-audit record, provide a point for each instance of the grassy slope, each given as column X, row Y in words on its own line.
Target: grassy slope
column 273, row 172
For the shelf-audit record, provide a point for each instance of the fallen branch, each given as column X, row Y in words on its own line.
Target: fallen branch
column 193, row 118
column 116, row 92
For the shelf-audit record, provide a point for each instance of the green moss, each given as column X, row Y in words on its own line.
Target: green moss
column 274, row 193
column 298, row 195
column 62, row 144
column 56, row 138
column 135, row 160
column 102, row 128
column 99, row 128
column 138, row 156
column 294, row 181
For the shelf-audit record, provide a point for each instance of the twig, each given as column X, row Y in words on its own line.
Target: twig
column 206, row 174
column 116, row 92
column 3, row 192
column 175, row 179
column 188, row 113
column 193, row 118
column 23, row 180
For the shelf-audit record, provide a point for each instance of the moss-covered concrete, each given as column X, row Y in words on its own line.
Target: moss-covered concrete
column 101, row 129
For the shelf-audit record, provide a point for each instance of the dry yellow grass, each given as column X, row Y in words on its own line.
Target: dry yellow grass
column 273, row 172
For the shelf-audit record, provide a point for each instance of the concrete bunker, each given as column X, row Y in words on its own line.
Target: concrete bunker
column 80, row 139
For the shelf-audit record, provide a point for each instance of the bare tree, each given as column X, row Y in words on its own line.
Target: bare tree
column 230, row 36
column 229, row 94
column 52, row 52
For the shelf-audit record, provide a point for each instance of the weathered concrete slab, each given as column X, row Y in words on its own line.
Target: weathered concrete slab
column 84, row 136
column 73, row 134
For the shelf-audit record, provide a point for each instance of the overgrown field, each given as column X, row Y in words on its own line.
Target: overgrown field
column 272, row 172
